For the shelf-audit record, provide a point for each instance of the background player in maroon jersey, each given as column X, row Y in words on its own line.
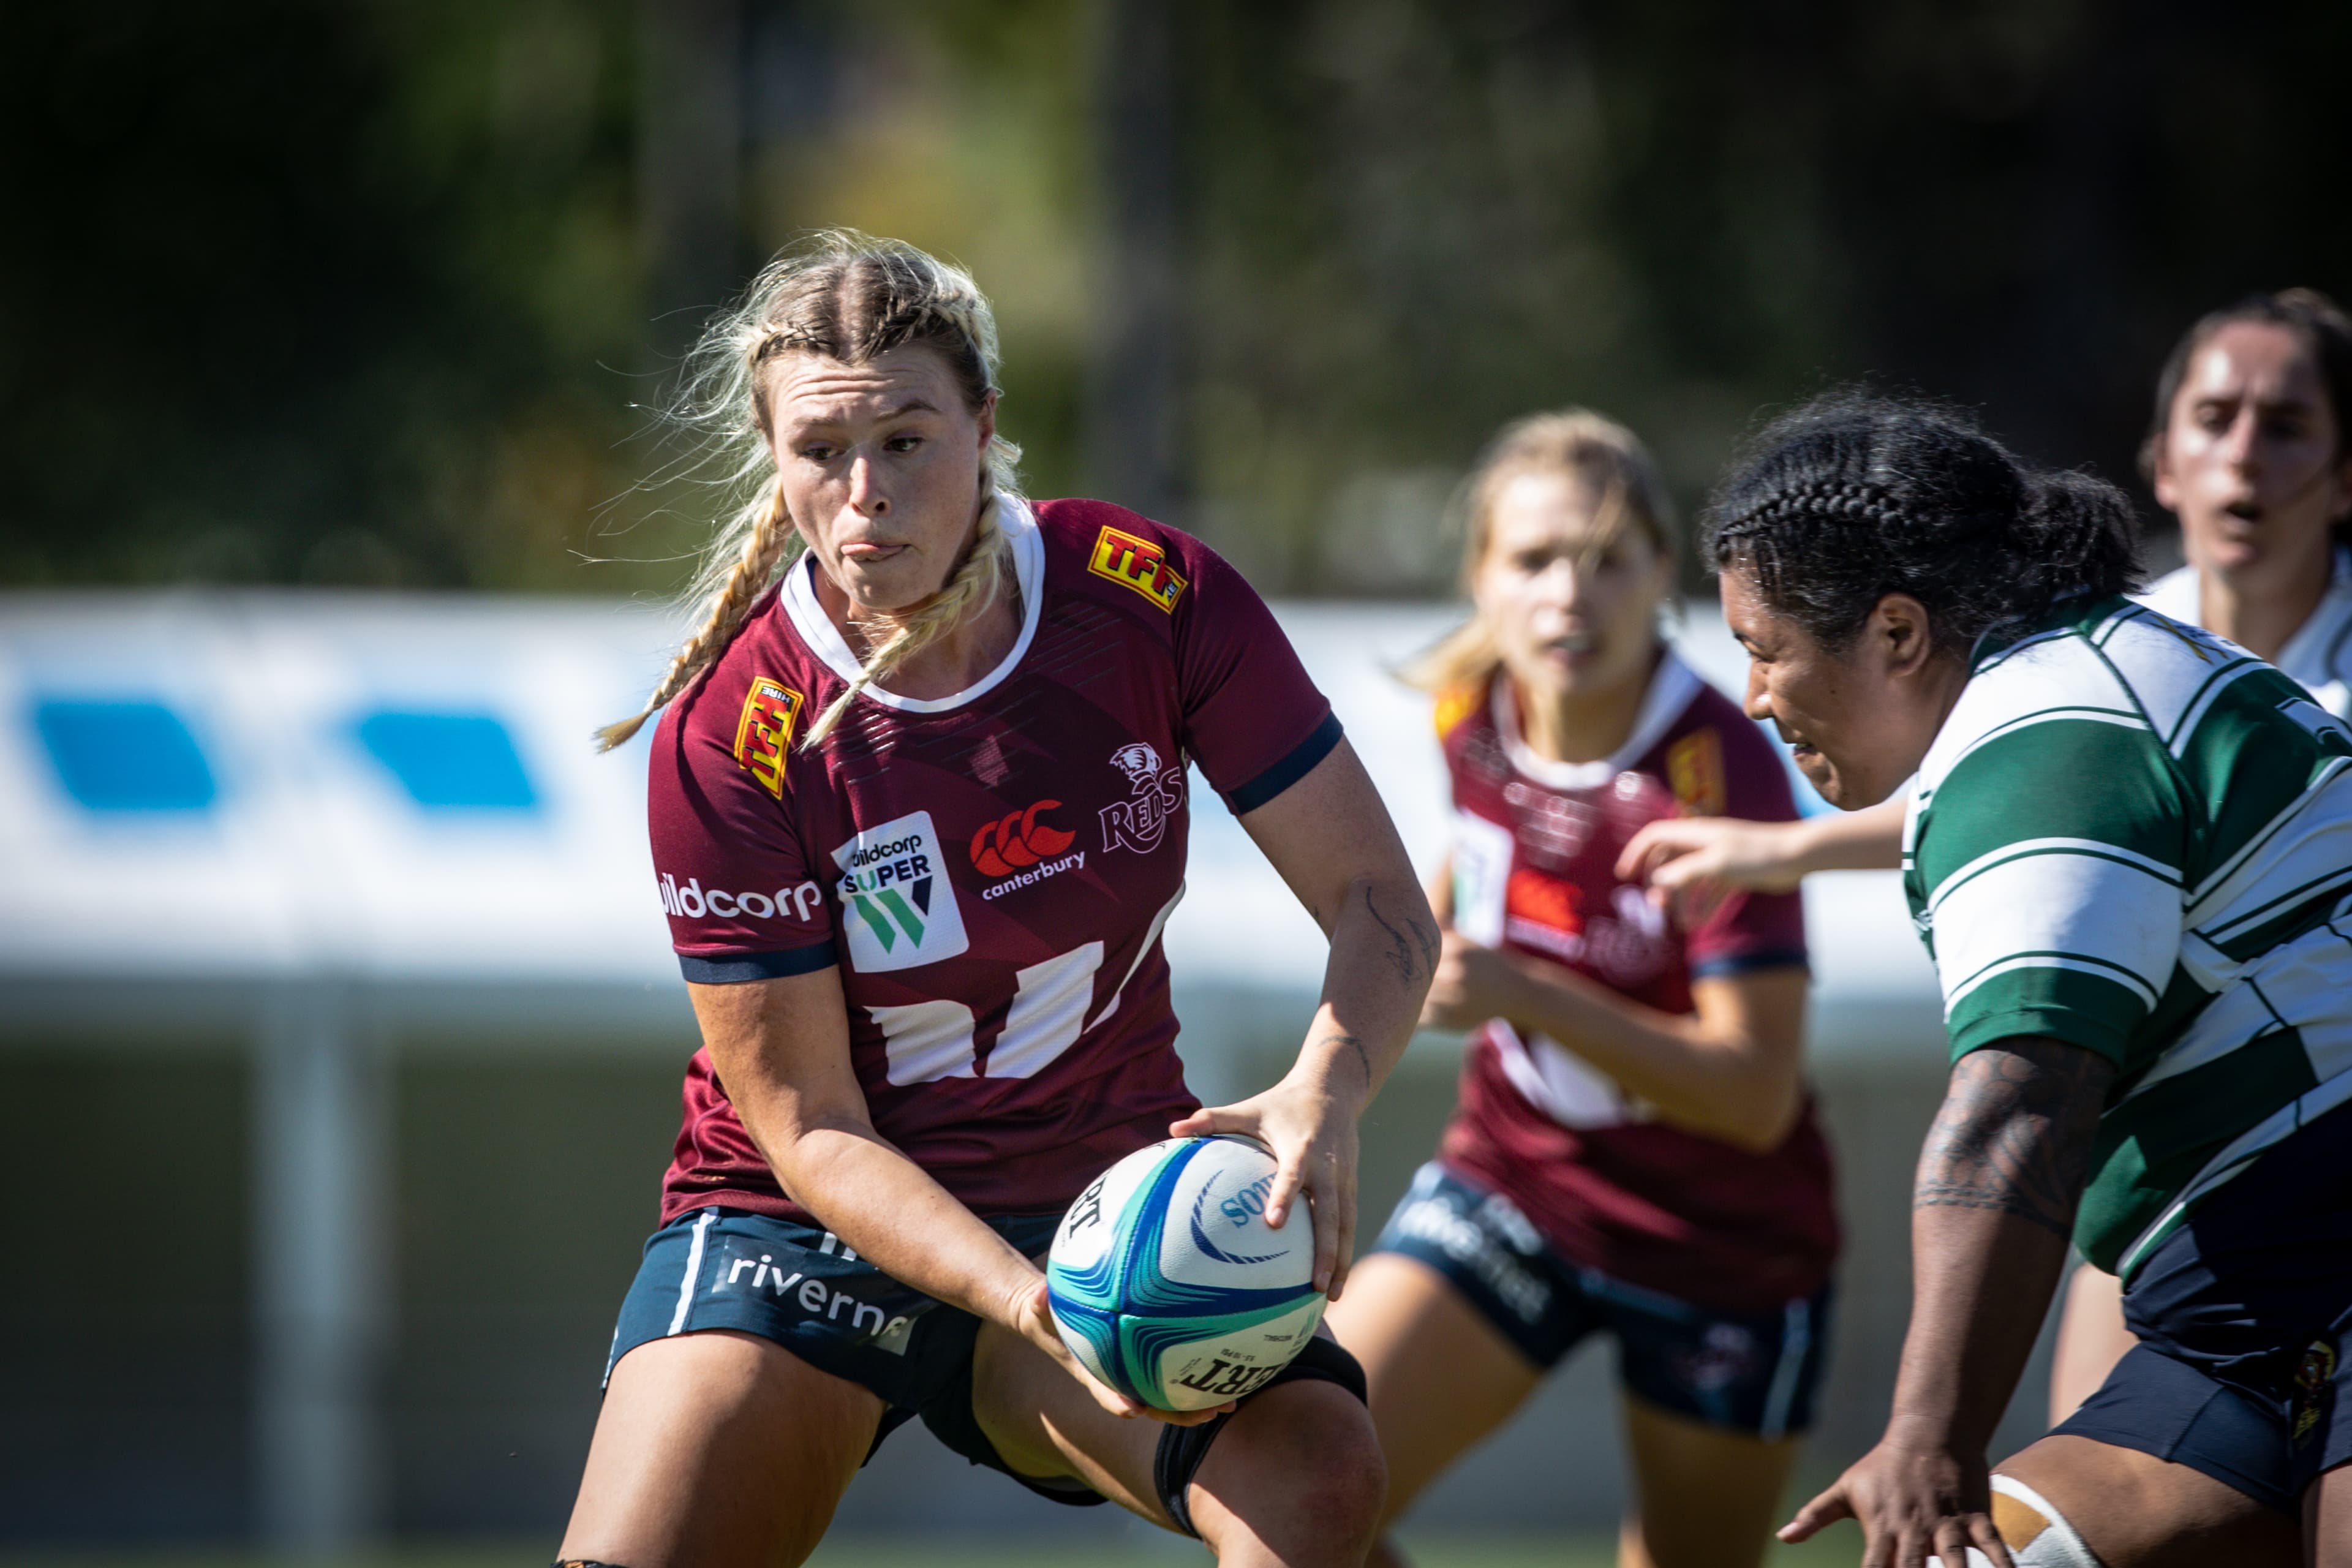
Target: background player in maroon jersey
column 918, row 812
column 1634, row 1150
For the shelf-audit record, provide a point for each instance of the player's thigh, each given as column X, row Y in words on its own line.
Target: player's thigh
column 1441, row 1376
column 1043, row 1423
column 2327, row 1519
column 2091, row 1338
column 2135, row 1510
column 1297, row 1471
column 1705, row 1496
column 717, row 1449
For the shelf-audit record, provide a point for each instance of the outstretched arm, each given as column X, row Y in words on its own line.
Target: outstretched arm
column 1331, row 838
column 1712, row 856
column 1998, row 1179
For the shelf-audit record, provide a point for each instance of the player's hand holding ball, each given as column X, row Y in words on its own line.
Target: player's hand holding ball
column 1309, row 1127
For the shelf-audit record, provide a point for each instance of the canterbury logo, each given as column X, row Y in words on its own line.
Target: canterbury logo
column 1019, row 840
column 1137, row 563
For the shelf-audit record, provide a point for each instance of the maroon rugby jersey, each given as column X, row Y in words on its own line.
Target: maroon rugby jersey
column 1535, row 845
column 990, row 870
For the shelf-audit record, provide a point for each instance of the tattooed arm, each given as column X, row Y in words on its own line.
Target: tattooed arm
column 2003, row 1168
column 1331, row 839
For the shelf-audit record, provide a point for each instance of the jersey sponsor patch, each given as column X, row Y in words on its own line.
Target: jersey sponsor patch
column 1695, row 773
column 897, row 905
column 1156, row 796
column 763, row 736
column 1455, row 704
column 691, row 900
column 1137, row 563
column 1017, row 840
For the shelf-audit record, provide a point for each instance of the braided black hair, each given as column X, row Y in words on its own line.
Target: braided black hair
column 1854, row 497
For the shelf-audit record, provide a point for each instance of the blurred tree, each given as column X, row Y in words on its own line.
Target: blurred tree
column 312, row 293
column 365, row 293
column 1410, row 220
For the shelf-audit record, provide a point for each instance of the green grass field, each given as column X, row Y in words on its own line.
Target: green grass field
column 1841, row 1546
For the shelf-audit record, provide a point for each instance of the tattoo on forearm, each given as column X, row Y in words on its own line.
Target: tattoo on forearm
column 1363, row 1059
column 2015, row 1133
column 1402, row 953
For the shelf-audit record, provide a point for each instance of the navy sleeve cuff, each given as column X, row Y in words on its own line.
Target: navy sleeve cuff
column 1290, row 769
column 735, row 968
column 1748, row 963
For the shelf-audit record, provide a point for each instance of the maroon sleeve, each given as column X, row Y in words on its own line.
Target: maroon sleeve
column 733, row 877
column 1751, row 930
column 1252, row 720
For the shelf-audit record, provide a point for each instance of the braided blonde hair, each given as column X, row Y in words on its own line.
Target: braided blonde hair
column 1608, row 459
column 853, row 297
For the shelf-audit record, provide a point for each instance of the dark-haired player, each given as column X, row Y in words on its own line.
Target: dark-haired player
column 1635, row 1155
column 919, row 817
column 2250, row 447
column 2129, row 851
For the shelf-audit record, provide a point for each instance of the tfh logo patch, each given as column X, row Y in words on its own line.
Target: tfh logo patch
column 1694, row 770
column 763, row 736
column 897, row 905
column 1137, row 563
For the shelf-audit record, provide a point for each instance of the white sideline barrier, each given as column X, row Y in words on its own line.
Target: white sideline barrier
column 327, row 826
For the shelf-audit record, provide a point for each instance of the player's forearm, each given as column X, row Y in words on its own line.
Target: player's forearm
column 1999, row 1180
column 1384, row 948
column 1867, row 840
column 1698, row 1077
column 893, row 1213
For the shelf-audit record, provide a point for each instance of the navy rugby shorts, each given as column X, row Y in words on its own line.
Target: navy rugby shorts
column 800, row 1286
column 2244, row 1317
column 1754, row 1372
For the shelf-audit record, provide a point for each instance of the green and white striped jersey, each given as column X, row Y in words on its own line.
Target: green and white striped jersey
column 2136, row 837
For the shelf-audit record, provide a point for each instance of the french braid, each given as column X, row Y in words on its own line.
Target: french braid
column 1854, row 497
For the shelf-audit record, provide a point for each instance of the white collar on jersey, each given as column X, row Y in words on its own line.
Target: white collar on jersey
column 2310, row 657
column 825, row 638
column 1671, row 687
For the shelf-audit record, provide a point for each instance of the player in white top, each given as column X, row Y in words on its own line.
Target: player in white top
column 2251, row 450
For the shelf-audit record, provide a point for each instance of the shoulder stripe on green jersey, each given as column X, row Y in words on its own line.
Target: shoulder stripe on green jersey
column 2078, row 963
column 2116, row 716
column 2218, row 682
column 2025, row 847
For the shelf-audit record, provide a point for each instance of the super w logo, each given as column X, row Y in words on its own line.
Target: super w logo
column 899, row 907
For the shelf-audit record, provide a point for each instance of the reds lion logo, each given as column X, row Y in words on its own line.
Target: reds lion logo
column 1157, row 794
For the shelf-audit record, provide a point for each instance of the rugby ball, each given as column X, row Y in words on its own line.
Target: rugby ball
column 1167, row 1283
